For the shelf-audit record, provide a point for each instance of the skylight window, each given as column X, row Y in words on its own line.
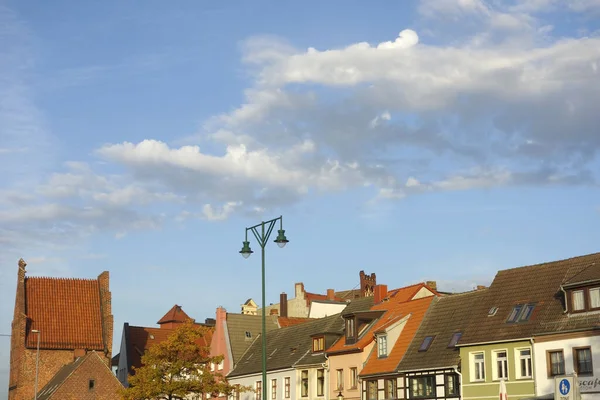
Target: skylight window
column 521, row 313
column 492, row 311
column 426, row 343
column 455, row 339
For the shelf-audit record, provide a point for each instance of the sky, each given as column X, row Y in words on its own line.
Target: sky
column 420, row 140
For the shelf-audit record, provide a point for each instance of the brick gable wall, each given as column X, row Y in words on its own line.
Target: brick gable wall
column 17, row 340
column 76, row 387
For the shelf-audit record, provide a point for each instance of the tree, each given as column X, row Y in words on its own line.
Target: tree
column 177, row 368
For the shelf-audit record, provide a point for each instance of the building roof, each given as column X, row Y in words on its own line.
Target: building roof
column 68, row 370
column 284, row 322
column 395, row 298
column 538, row 284
column 66, row 312
column 175, row 314
column 243, row 329
column 292, row 346
column 577, row 275
column 414, row 310
column 446, row 316
column 140, row 339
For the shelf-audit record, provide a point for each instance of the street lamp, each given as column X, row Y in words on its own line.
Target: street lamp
column 262, row 237
column 37, row 362
column 340, row 396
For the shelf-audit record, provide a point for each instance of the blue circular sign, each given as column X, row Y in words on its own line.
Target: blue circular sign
column 564, row 386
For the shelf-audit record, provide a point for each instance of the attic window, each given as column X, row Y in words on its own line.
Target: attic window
column 350, row 331
column 455, row 339
column 91, row 384
column 492, row 311
column 318, row 344
column 426, row 343
column 248, row 335
column 521, row 313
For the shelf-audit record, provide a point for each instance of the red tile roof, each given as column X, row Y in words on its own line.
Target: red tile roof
column 66, row 312
column 415, row 310
column 396, row 298
column 289, row 321
column 175, row 314
column 310, row 297
column 142, row 338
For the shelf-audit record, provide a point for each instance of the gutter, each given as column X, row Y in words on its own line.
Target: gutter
column 427, row 369
column 493, row 342
column 593, row 328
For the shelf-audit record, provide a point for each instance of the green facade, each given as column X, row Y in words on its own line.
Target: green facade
column 516, row 386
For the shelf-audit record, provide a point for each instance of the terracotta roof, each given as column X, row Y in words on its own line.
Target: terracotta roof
column 395, row 298
column 66, row 312
column 140, row 339
column 284, row 322
column 310, row 297
column 175, row 314
column 414, row 310
column 446, row 316
column 535, row 284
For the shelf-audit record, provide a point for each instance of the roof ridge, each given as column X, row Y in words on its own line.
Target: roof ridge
column 52, row 278
column 551, row 262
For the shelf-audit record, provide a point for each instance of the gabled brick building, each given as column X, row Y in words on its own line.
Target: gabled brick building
column 71, row 317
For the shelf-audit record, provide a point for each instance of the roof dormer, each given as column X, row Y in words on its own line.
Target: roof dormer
column 582, row 290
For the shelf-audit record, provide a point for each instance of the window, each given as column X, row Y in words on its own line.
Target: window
column 91, row 384
column 318, row 344
column 382, row 346
column 274, row 389
column 455, row 339
column 556, row 362
column 582, row 360
column 578, row 300
column 350, row 331
column 492, row 311
column 514, row 314
column 248, row 335
column 524, row 368
column 390, row 388
column 452, row 385
column 320, row 382
column 287, row 387
column 422, row 387
column 478, row 367
column 521, row 313
column 371, row 390
column 426, row 343
column 258, row 390
column 353, row 377
column 501, row 371
column 340, row 379
column 526, row 313
column 220, row 365
column 595, row 298
column 304, row 383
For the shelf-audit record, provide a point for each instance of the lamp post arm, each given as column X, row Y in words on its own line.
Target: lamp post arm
column 261, row 236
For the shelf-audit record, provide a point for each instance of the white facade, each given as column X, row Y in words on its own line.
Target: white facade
column 313, row 393
column 321, row 309
column 589, row 384
column 280, row 380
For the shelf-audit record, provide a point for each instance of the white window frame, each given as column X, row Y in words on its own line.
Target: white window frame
column 518, row 358
column 353, row 377
column 340, row 379
column 495, row 360
column 474, row 366
column 579, row 292
column 382, row 348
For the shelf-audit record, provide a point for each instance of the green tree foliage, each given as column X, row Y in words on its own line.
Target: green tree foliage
column 176, row 368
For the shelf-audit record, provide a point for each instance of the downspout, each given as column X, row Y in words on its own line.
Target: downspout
column 533, row 367
column 460, row 377
column 566, row 300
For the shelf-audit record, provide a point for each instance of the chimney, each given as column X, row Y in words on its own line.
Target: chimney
column 210, row 322
column 380, row 293
column 283, row 304
column 274, row 311
column 480, row 287
column 432, row 284
column 221, row 315
column 330, row 294
column 107, row 316
column 299, row 288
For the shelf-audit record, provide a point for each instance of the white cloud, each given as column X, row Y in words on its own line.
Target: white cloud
column 212, row 214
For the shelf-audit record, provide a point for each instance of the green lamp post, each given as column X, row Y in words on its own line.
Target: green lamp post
column 262, row 232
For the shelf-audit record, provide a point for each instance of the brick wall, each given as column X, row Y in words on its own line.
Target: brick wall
column 50, row 362
column 107, row 317
column 77, row 387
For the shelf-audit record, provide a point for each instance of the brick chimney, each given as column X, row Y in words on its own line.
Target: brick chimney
column 221, row 315
column 379, row 293
column 283, row 305
column 17, row 340
column 480, row 287
column 432, row 284
column 107, row 317
column 330, row 294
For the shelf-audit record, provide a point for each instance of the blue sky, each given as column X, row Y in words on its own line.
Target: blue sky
column 420, row 140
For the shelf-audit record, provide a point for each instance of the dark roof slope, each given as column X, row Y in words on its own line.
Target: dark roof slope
column 539, row 284
column 66, row 311
column 239, row 324
column 446, row 316
column 292, row 346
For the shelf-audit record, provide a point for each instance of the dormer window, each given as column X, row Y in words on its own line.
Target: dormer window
column 382, row 346
column 350, row 331
column 318, row 344
column 584, row 299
